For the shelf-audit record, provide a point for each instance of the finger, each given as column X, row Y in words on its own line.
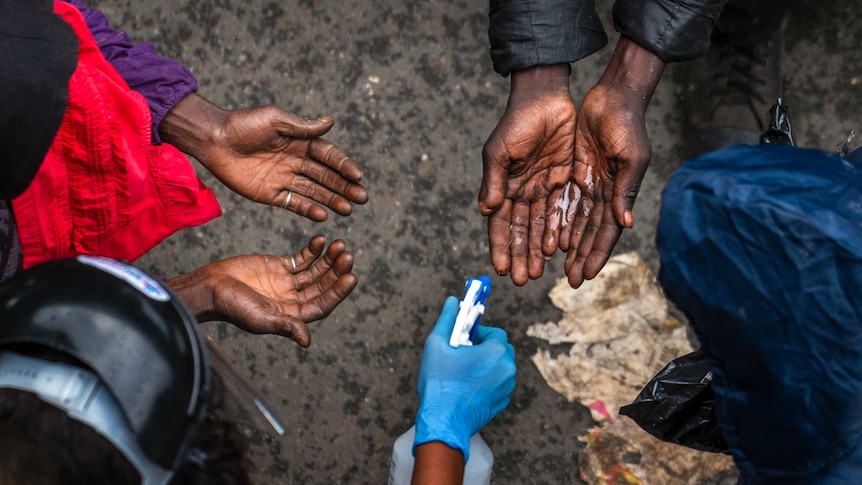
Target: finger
column 518, row 234
column 495, row 176
column 446, row 320
column 335, row 249
column 320, row 267
column 574, row 203
column 487, row 334
column 314, row 192
column 314, row 286
column 323, row 304
column 535, row 258
column 318, row 287
column 299, row 204
column 294, row 329
column 331, row 156
column 303, row 260
column 626, row 188
column 297, row 126
column 586, row 183
column 498, row 238
column 344, row 263
column 582, row 214
column 264, row 322
column 554, row 216
column 575, row 270
column 327, row 177
column 605, row 241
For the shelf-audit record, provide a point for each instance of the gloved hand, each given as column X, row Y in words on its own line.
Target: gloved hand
column 461, row 390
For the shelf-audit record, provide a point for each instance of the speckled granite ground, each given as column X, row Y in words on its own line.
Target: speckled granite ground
column 411, row 88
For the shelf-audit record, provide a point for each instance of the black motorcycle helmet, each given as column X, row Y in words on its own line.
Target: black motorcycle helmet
column 147, row 383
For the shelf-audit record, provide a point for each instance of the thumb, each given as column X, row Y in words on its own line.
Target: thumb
column 446, row 321
column 495, row 177
column 296, row 126
column 248, row 310
column 292, row 328
column 626, row 187
column 254, row 314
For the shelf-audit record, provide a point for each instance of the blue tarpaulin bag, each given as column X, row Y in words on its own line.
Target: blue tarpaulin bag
column 761, row 247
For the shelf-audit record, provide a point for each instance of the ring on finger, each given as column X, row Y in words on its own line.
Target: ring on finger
column 287, row 199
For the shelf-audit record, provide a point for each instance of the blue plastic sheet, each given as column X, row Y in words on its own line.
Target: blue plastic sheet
column 761, row 246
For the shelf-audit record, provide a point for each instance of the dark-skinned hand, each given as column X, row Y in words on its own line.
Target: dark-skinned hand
column 612, row 154
column 527, row 162
column 265, row 294
column 268, row 155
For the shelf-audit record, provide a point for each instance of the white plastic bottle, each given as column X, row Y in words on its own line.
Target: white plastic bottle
column 477, row 471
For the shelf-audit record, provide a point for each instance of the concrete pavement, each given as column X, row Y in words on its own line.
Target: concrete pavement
column 414, row 96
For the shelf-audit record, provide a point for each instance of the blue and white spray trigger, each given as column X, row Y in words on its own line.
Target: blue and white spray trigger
column 472, row 307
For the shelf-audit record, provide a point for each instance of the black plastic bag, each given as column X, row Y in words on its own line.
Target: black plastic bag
column 677, row 405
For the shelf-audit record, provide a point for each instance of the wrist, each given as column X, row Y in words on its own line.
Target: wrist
column 440, row 425
column 536, row 81
column 437, row 463
column 193, row 125
column 195, row 291
column 633, row 73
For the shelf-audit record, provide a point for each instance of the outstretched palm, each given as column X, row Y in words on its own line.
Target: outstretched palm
column 612, row 154
column 277, row 158
column 281, row 294
column 527, row 163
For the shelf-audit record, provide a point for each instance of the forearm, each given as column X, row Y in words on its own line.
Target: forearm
column 195, row 290
column 633, row 72
column 162, row 81
column 437, row 464
column 192, row 125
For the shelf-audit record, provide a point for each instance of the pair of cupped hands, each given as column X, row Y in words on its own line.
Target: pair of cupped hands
column 277, row 158
column 559, row 178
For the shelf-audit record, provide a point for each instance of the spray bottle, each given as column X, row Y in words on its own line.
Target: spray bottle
column 477, row 470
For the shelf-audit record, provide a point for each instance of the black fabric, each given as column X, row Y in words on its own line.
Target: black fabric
column 10, row 247
column 38, row 54
column 526, row 33
column 673, row 30
column 746, row 16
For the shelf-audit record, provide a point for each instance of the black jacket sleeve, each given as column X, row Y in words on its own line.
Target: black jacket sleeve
column 526, row 33
column 673, row 30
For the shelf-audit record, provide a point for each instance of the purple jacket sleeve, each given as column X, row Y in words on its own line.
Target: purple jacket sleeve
column 162, row 81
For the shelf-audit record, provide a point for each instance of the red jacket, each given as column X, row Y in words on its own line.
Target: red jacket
column 103, row 188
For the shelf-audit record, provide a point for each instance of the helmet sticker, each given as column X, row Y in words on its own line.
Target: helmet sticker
column 128, row 273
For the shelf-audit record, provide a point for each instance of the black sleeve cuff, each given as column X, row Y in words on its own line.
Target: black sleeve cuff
column 527, row 33
column 673, row 30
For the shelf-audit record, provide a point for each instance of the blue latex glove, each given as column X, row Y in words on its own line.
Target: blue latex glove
column 461, row 390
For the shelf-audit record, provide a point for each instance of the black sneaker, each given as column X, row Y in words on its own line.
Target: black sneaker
column 731, row 89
